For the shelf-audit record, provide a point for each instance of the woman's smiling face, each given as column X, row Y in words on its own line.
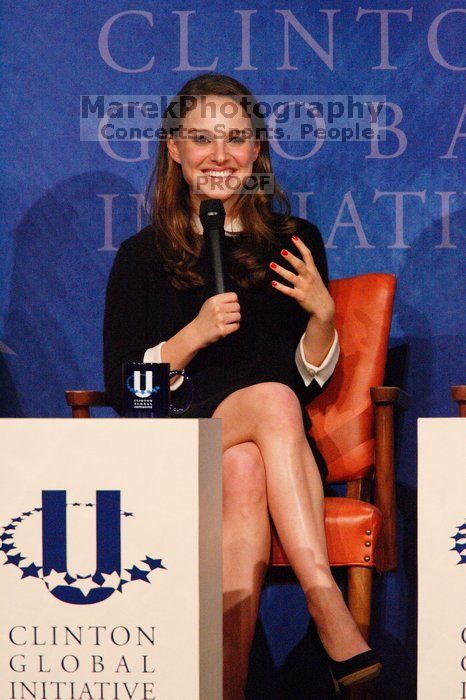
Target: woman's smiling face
column 216, row 150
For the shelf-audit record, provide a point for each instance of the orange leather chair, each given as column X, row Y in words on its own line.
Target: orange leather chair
column 352, row 424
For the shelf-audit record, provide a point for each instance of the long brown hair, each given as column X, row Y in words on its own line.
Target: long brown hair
column 170, row 208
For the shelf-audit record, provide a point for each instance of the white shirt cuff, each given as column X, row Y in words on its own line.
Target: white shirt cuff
column 325, row 370
column 155, row 355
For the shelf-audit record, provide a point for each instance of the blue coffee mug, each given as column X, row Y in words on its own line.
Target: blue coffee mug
column 146, row 390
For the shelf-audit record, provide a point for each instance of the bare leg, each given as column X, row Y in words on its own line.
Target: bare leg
column 269, row 414
column 246, row 552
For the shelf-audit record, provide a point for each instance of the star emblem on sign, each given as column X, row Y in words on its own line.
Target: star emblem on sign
column 138, row 574
column 7, row 547
column 111, row 580
column 31, row 571
column 81, row 587
column 14, row 559
column 460, row 542
column 85, row 584
column 153, row 563
column 54, row 579
column 459, row 547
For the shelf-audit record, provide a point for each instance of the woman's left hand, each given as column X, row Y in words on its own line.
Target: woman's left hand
column 308, row 288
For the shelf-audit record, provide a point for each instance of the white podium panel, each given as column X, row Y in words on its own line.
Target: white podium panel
column 442, row 558
column 110, row 559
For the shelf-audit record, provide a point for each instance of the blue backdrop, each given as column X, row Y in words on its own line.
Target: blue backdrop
column 67, row 204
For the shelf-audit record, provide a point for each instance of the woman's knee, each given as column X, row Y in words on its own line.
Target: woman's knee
column 244, row 482
column 276, row 404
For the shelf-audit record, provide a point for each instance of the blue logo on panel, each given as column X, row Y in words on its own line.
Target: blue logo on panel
column 85, row 588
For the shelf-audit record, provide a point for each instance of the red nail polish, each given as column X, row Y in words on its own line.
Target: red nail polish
column 284, row 252
column 274, row 284
column 272, row 265
column 295, row 238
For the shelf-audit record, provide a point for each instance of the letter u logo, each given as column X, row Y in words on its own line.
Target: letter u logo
column 143, row 393
column 108, row 519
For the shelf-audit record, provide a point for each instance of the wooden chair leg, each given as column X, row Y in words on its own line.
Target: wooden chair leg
column 359, row 603
column 359, row 596
column 80, row 412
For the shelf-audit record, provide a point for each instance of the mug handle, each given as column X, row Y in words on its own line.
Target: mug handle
column 175, row 410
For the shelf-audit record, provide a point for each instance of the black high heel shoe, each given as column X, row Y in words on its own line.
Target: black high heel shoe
column 357, row 669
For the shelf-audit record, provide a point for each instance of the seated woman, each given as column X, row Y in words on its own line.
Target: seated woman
column 257, row 355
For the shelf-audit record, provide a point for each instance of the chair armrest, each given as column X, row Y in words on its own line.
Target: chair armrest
column 81, row 401
column 389, row 394
column 384, row 399
column 458, row 394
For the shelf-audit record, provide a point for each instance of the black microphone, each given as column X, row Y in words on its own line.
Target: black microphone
column 212, row 216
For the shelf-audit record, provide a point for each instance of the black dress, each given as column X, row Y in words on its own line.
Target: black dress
column 143, row 308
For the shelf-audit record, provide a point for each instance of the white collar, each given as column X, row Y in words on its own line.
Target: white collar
column 234, row 227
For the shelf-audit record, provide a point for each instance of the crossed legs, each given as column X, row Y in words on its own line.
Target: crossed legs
column 246, row 552
column 267, row 463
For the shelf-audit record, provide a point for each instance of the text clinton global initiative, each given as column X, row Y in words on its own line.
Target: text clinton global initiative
column 96, row 652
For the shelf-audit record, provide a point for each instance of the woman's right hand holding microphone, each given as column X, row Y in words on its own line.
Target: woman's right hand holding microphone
column 218, row 317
